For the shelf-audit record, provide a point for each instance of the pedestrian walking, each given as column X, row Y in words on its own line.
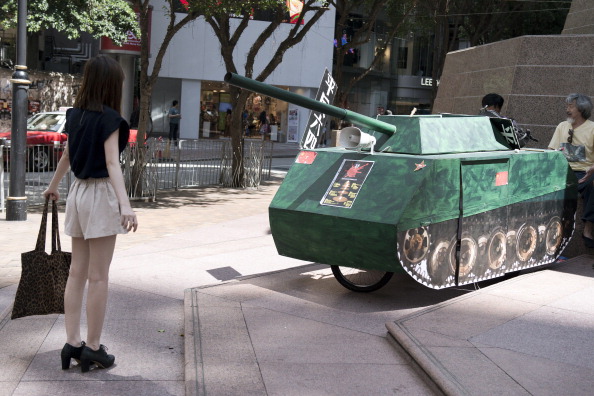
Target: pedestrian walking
column 97, row 208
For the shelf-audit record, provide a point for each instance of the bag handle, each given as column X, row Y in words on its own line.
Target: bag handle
column 40, row 245
column 55, row 229
column 56, row 245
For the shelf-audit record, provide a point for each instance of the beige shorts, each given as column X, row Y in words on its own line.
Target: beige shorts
column 92, row 210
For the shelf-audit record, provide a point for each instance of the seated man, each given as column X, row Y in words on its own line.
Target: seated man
column 575, row 138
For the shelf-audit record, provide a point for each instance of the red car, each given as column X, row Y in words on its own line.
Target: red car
column 45, row 140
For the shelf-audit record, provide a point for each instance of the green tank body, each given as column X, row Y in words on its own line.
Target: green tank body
column 449, row 199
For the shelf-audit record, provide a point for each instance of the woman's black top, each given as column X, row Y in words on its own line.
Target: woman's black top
column 87, row 132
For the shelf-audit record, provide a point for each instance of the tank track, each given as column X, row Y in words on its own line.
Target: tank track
column 491, row 244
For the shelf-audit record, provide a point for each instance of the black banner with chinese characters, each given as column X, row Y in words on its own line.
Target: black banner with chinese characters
column 316, row 124
column 347, row 183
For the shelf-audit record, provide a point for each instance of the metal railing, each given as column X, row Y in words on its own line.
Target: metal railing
column 157, row 165
column 41, row 159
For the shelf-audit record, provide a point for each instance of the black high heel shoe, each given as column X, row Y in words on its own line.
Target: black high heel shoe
column 99, row 357
column 70, row 352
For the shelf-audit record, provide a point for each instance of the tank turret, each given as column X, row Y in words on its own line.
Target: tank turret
column 449, row 199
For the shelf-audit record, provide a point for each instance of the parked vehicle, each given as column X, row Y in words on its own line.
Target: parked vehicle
column 45, row 140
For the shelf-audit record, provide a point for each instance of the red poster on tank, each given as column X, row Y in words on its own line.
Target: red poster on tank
column 306, row 157
column 501, row 178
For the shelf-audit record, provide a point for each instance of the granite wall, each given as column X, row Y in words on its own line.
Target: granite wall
column 534, row 74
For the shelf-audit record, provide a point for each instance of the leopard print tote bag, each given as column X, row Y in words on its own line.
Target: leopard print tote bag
column 43, row 277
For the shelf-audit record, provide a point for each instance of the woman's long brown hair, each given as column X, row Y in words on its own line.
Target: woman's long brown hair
column 102, row 85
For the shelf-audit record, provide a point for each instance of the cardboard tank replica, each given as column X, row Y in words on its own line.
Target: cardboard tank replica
column 449, row 199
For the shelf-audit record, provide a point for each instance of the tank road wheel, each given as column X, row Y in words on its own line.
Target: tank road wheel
column 497, row 249
column 416, row 244
column 360, row 280
column 553, row 235
column 468, row 253
column 438, row 267
column 526, row 242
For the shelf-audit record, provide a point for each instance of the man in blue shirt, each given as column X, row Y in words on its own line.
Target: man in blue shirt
column 174, row 117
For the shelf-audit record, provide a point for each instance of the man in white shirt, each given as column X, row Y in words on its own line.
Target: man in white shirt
column 575, row 138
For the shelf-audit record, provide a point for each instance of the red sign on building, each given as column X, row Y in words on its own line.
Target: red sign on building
column 131, row 46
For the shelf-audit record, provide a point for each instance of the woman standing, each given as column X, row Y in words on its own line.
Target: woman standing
column 97, row 208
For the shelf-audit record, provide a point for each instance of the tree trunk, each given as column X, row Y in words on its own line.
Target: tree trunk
column 238, row 100
column 137, row 175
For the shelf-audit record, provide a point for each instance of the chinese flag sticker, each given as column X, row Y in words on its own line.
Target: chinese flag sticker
column 501, row 178
column 306, row 157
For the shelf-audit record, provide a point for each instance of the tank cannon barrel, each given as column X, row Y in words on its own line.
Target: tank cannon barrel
column 312, row 104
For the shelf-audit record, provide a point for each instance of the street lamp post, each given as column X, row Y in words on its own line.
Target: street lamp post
column 16, row 202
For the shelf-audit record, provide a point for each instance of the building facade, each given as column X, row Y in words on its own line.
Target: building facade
column 399, row 81
column 193, row 70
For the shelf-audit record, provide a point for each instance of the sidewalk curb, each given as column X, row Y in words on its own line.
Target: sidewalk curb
column 190, row 352
column 193, row 365
column 425, row 360
column 429, row 363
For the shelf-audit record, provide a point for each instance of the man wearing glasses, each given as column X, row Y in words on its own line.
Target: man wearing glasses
column 575, row 138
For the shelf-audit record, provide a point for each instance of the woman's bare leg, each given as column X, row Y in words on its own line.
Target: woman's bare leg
column 75, row 288
column 100, row 255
